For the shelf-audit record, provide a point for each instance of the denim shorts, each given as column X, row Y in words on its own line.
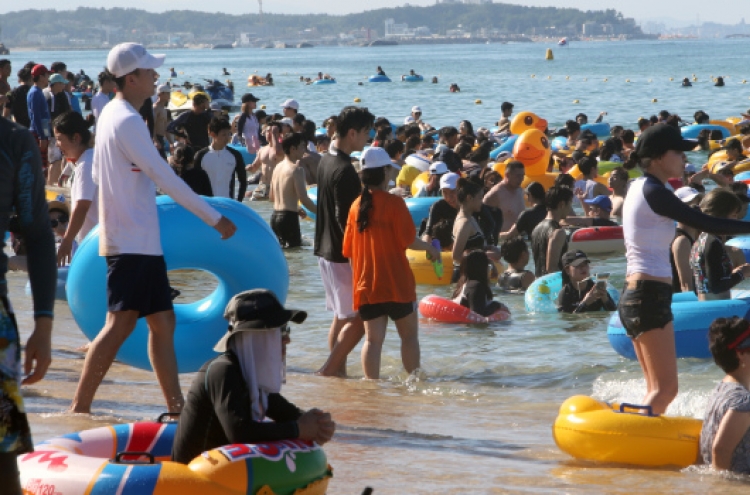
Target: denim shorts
column 645, row 307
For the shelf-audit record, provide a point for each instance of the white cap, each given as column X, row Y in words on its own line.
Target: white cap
column 416, row 110
column 127, row 57
column 449, row 181
column 290, row 104
column 164, row 88
column 439, row 168
column 686, row 194
column 287, row 121
column 375, row 157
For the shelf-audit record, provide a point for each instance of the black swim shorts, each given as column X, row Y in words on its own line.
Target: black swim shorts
column 394, row 310
column 645, row 305
column 285, row 224
column 138, row 282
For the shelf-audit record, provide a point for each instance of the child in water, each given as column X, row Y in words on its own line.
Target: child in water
column 473, row 290
column 579, row 293
column 516, row 278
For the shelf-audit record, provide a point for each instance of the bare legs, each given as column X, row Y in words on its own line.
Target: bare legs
column 343, row 336
column 408, row 330
column 104, row 347
column 657, row 356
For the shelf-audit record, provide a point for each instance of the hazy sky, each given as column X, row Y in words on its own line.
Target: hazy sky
column 724, row 11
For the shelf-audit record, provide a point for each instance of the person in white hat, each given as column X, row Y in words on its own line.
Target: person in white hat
column 235, row 392
column 290, row 108
column 416, row 118
column 432, row 187
column 164, row 140
column 445, row 209
column 379, row 230
column 128, row 169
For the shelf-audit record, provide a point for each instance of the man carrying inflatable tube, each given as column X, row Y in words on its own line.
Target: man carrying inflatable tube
column 235, row 391
column 127, row 168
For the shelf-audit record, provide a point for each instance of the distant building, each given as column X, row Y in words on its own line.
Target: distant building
column 393, row 30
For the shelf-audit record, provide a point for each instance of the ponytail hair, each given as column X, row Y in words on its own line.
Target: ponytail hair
column 370, row 177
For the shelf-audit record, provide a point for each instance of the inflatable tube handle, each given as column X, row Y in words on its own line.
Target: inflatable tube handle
column 168, row 417
column 648, row 409
column 119, row 458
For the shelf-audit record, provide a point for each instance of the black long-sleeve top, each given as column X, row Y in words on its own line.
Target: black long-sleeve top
column 22, row 193
column 218, row 411
column 570, row 300
column 193, row 126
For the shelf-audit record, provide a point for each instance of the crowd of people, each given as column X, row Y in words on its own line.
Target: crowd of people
column 363, row 168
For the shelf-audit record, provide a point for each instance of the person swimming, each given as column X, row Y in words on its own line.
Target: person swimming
column 516, row 278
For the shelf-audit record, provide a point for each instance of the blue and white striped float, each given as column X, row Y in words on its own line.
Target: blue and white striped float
column 507, row 146
column 691, row 321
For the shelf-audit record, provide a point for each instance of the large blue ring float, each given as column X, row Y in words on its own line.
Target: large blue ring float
column 377, row 79
column 691, row 321
column 692, row 131
column 250, row 259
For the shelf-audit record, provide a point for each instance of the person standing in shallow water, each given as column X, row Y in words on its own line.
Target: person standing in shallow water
column 127, row 168
column 338, row 187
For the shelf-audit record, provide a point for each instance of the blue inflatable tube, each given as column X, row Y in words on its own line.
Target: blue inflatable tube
column 692, row 131
column 541, row 296
column 691, row 321
column 420, row 208
column 506, row 146
column 324, row 81
column 246, row 156
column 560, row 143
column 62, row 277
column 377, row 79
column 601, row 129
column 250, row 259
column 413, row 78
column 312, row 193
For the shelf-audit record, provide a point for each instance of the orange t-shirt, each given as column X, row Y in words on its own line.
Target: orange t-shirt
column 381, row 272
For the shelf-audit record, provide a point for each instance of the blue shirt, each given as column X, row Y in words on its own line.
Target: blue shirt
column 39, row 113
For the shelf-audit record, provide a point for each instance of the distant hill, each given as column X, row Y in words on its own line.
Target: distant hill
column 84, row 25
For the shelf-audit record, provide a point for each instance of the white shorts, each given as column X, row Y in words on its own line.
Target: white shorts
column 337, row 282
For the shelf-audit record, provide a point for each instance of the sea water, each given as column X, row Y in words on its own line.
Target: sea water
column 478, row 420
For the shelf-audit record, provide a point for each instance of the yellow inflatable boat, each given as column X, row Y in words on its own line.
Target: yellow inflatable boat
column 623, row 434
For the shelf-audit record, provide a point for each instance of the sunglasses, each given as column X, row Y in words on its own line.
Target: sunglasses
column 54, row 223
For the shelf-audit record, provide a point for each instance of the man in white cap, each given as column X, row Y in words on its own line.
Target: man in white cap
column 414, row 117
column 290, row 108
column 233, row 393
column 432, row 187
column 128, row 169
column 163, row 140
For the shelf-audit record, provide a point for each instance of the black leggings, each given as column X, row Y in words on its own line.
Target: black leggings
column 9, row 474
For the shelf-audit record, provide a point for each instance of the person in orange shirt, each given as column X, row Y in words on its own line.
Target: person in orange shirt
column 379, row 230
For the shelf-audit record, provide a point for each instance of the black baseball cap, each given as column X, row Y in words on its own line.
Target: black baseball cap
column 248, row 97
column 574, row 258
column 256, row 309
column 660, row 138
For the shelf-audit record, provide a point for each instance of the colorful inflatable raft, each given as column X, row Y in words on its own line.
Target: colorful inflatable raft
column 133, row 459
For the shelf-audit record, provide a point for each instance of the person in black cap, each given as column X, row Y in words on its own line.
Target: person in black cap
column 248, row 127
column 579, row 293
column 649, row 215
column 233, row 393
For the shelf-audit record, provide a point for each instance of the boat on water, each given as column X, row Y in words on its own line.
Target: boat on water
column 563, row 42
column 222, row 46
column 4, row 50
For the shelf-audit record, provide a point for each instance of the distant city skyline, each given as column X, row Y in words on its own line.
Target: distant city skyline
column 685, row 11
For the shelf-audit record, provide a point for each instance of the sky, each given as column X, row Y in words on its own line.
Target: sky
column 687, row 11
